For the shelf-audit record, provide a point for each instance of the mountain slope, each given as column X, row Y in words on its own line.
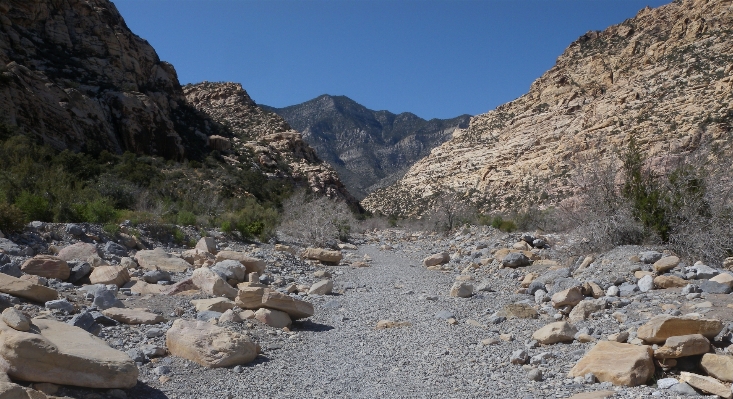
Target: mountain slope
column 664, row 76
column 369, row 149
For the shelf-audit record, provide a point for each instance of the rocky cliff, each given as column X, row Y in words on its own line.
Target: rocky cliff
column 664, row 76
column 278, row 149
column 369, row 149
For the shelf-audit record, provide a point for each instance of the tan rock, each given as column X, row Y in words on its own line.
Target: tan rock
column 618, row 363
column 207, row 244
column 323, row 255
column 666, row 263
column 286, row 249
column 229, row 316
column 718, row 366
column 128, row 263
column 159, row 259
column 25, row 289
column 560, row 331
column 213, row 304
column 723, row 278
column 461, row 290
column 385, row 324
column 96, row 261
column 78, row 251
column 143, row 288
column 522, row 246
column 133, row 316
column 9, row 390
column 247, row 314
column 323, row 287
column 571, row 296
column 584, row 309
column 212, row 284
column 117, row 275
column 502, row 253
column 527, row 280
column 253, row 265
column 519, row 311
column 659, row 328
column 728, row 263
column 682, row 345
column 273, row 318
column 641, row 273
column 209, row 345
column 706, row 384
column 197, row 257
column 62, row 354
column 15, row 319
column 669, row 282
column 256, row 298
column 593, row 395
column 595, row 290
column 436, row 259
column 47, row 266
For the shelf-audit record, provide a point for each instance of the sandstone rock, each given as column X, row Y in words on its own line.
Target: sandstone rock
column 117, row 275
column 593, row 395
column 560, row 331
column 15, row 319
column 212, row 284
column 25, row 289
column 669, row 282
column 718, row 366
column 386, row 324
column 78, row 251
column 273, row 318
column 209, row 345
column 659, row 328
column 436, row 259
column 252, row 265
column 571, row 296
column 595, row 290
column 519, row 311
column 584, row 309
column 728, row 263
column 707, row 384
column 207, row 244
column 219, row 304
column 143, row 288
column 62, row 354
column 159, row 259
column 323, row 255
column 286, row 249
column 618, row 363
column 323, row 287
column 228, row 316
column 461, row 290
column 133, row 316
column 683, row 345
column 723, row 278
column 666, row 263
column 47, row 266
column 256, row 298
column 197, row 257
column 527, row 280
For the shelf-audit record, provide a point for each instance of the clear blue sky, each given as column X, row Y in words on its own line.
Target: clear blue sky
column 437, row 59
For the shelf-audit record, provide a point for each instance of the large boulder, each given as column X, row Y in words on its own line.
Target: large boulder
column 212, row 284
column 117, row 275
column 26, row 289
column 436, row 259
column 209, row 345
column 257, row 297
column 617, row 363
column 159, row 259
column 707, row 384
column 659, row 328
column 47, row 266
column 323, row 255
column 133, row 316
column 718, row 366
column 253, row 265
column 78, row 251
column 683, row 345
column 60, row 353
column 552, row 333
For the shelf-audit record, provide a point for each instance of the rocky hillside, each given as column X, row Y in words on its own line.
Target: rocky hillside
column 369, row 149
column 276, row 146
column 664, row 76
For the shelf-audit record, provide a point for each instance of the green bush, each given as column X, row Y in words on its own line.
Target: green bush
column 251, row 220
column 34, row 207
column 98, row 211
column 112, row 229
column 11, row 218
column 186, row 218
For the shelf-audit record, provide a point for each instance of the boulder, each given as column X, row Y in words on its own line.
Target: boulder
column 47, row 266
column 659, row 328
column 153, row 276
column 79, row 251
column 159, row 259
column 117, row 275
column 230, row 270
column 257, row 297
column 665, row 281
column 114, row 248
column 79, row 270
column 62, row 354
column 207, row 244
column 571, row 296
column 515, row 259
column 723, row 278
column 273, row 318
column 718, row 366
column 220, row 305
column 706, row 384
column 617, row 363
column 197, row 257
column 212, row 284
column 646, row 283
column 253, row 265
column 143, row 288
column 560, row 331
column 461, row 289
column 133, row 316
column 209, row 345
column 26, row 289
column 666, row 263
column 682, row 345
column 323, row 255
column 105, row 298
column 584, row 309
column 436, row 259
column 15, row 319
column 712, row 287
column 323, row 287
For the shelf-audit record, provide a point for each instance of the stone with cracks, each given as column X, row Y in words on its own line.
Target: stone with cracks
column 209, row 345
column 62, row 354
column 26, row 289
column 212, row 284
column 659, row 328
column 718, row 366
column 253, row 265
column 323, row 255
column 117, row 275
column 273, row 318
column 617, row 363
column 553, row 333
column 79, row 251
column 707, row 384
column 47, row 266
column 682, row 345
column 159, row 259
column 436, row 259
column 257, row 297
column 133, row 316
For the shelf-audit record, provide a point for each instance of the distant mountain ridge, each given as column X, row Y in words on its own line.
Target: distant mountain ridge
column 369, row 149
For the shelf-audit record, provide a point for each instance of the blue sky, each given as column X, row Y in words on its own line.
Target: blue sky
column 437, row 59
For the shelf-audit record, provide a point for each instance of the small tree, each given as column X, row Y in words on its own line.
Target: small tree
column 316, row 221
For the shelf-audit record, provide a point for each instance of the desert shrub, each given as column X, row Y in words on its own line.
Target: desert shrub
column 316, row 221
column 11, row 218
column 100, row 210
column 112, row 229
column 449, row 210
column 497, row 222
column 33, row 207
column 251, row 220
column 186, row 218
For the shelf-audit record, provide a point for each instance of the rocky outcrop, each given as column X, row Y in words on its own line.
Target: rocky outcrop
column 369, row 149
column 664, row 76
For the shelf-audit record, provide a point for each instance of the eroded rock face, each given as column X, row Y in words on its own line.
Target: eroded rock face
column 604, row 87
column 659, row 328
column 209, row 345
column 618, row 363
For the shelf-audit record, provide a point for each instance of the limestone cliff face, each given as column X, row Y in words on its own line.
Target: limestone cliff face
column 277, row 148
column 664, row 76
column 76, row 77
column 369, row 149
